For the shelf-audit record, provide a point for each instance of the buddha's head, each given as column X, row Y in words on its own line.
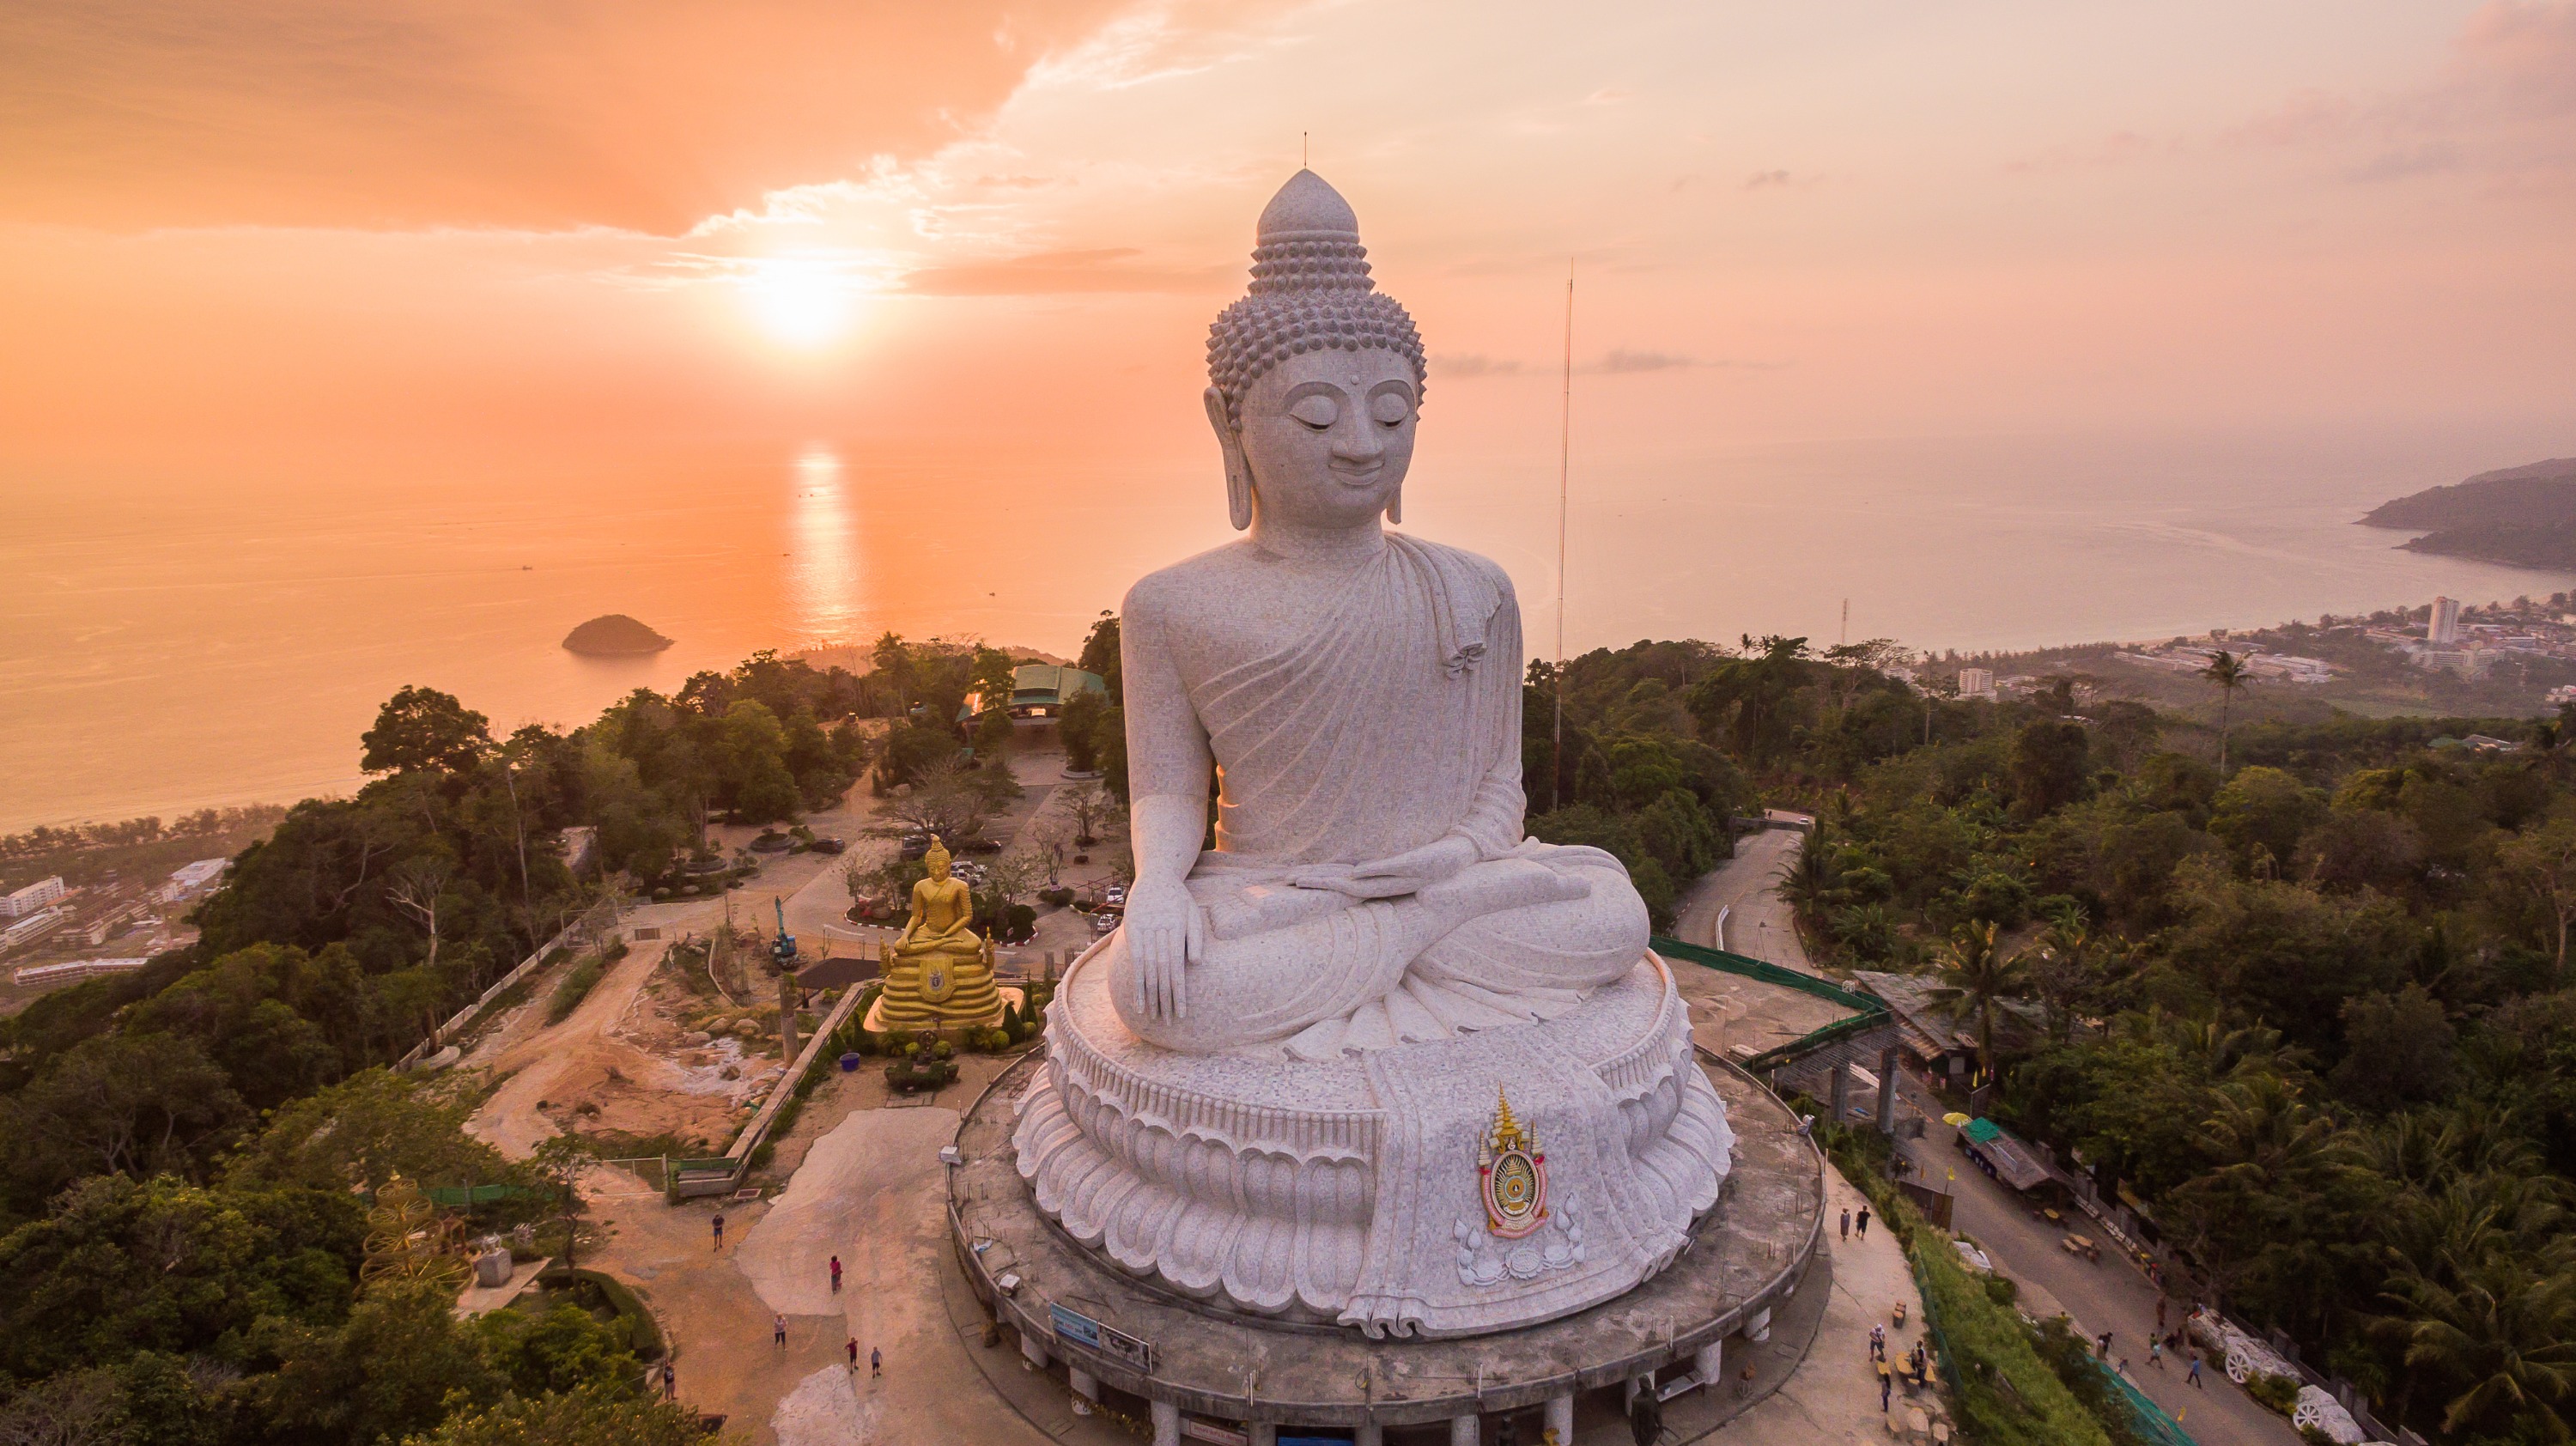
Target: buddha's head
column 1315, row 376
column 938, row 859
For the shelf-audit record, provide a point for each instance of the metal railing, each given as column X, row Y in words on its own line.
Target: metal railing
column 1869, row 1011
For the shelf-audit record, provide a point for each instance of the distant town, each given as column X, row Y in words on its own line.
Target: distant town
column 2446, row 657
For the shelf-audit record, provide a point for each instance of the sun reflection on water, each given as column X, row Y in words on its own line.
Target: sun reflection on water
column 823, row 565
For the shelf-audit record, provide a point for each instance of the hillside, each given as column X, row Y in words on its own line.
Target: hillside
column 2525, row 516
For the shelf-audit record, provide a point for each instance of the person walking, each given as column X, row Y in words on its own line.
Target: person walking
column 778, row 1331
column 1877, row 1342
column 836, row 1278
column 670, row 1382
column 719, row 1228
column 876, row 1361
column 2193, row 1375
column 1886, row 1385
column 1864, row 1222
column 854, row 1353
column 2102, row 1345
column 2156, row 1353
column 1847, row 1224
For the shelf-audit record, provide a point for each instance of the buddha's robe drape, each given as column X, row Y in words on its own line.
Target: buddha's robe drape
column 1395, row 720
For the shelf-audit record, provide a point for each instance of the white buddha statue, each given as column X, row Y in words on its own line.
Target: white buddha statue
column 1309, row 1075
column 1358, row 695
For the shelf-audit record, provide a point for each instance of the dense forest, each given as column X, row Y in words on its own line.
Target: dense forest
column 194, row 1150
column 2302, row 990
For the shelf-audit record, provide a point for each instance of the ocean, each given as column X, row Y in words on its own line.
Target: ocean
column 168, row 644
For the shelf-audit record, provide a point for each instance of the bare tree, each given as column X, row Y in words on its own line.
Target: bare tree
column 414, row 887
column 76, row 1408
column 1009, row 877
column 1091, row 806
column 1048, row 839
column 945, row 801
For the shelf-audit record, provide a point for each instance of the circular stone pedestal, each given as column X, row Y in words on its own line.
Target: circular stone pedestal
column 1125, row 1332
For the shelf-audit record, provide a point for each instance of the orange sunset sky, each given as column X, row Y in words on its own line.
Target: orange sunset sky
column 268, row 228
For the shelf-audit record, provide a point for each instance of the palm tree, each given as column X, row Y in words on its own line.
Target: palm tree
column 2228, row 672
column 2506, row 1333
column 2063, row 968
column 1811, row 875
column 1976, row 979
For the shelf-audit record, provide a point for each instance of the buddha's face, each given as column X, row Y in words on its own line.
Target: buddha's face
column 939, row 870
column 1328, row 435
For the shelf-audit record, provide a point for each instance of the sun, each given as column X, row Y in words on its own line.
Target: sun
column 800, row 301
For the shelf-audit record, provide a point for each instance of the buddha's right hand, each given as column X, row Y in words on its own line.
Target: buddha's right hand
column 1158, row 939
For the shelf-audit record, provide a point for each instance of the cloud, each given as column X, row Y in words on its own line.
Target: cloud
column 2501, row 105
column 2117, row 149
column 1618, row 362
column 136, row 114
column 1470, row 366
column 1054, row 273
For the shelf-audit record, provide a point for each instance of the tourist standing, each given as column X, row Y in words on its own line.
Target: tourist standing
column 1846, row 1225
column 719, row 1229
column 778, row 1330
column 836, row 1277
column 670, row 1382
column 2102, row 1345
column 2156, row 1353
column 854, row 1353
column 2193, row 1375
column 876, row 1361
column 1886, row 1385
column 1877, row 1342
column 1864, row 1222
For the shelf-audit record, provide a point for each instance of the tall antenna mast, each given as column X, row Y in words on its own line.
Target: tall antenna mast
column 1845, row 639
column 1564, row 466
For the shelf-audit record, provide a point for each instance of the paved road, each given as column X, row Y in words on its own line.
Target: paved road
column 1758, row 922
column 2111, row 1294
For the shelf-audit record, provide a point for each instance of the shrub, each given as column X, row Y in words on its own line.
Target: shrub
column 569, row 994
column 2280, row 1393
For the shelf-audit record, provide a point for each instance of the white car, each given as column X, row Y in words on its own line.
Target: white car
column 1115, row 894
column 1103, row 923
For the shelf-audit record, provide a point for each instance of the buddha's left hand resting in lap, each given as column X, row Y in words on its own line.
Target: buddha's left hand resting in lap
column 1357, row 693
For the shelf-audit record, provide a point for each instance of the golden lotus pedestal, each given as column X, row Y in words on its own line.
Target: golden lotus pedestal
column 952, row 995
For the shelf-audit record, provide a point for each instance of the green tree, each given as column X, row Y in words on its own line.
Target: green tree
column 2397, row 1050
column 423, row 729
column 2050, row 766
column 1100, row 656
column 2262, row 814
column 1976, row 979
column 398, row 1367
column 122, row 1265
column 2542, row 861
column 121, row 1104
column 593, row 1416
column 2227, row 672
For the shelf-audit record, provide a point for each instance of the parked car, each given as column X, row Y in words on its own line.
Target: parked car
column 1116, row 894
column 913, row 846
column 827, row 846
column 1103, row 923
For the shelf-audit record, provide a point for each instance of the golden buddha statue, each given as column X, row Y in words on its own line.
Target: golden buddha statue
column 939, row 973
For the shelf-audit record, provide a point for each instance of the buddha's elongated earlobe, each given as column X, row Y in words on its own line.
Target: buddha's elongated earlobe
column 1395, row 504
column 1238, row 470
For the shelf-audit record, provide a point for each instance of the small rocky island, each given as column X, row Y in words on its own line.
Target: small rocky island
column 614, row 636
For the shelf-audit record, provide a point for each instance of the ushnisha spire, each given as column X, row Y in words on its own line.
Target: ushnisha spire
column 1310, row 289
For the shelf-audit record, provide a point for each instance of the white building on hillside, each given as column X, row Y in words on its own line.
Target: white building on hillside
column 1976, row 682
column 35, row 896
column 189, row 878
